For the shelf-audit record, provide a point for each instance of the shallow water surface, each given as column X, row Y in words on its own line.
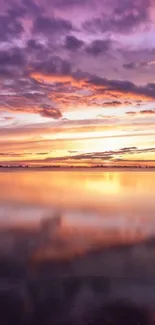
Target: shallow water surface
column 120, row 201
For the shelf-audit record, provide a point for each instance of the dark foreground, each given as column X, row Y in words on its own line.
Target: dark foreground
column 69, row 302
column 110, row 286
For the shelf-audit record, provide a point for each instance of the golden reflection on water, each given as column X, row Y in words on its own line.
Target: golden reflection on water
column 96, row 207
column 105, row 191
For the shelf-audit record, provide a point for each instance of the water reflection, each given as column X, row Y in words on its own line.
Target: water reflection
column 77, row 248
column 97, row 207
column 90, row 190
column 80, row 211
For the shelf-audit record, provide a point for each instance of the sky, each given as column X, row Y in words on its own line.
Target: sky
column 77, row 82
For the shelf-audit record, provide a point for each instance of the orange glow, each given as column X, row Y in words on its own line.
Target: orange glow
column 56, row 78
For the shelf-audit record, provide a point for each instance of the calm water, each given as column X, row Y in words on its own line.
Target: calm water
column 89, row 202
column 78, row 221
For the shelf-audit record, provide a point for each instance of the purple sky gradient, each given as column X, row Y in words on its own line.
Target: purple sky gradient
column 69, row 64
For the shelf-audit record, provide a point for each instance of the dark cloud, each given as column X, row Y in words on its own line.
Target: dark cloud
column 127, row 102
column 112, row 103
column 143, row 64
column 131, row 113
column 135, row 65
column 14, row 154
column 42, row 153
column 149, row 111
column 13, row 64
column 125, row 87
column 131, row 65
column 28, row 96
column 111, row 155
column 53, row 65
column 143, row 112
column 6, row 72
column 9, row 28
column 72, row 43
column 100, row 157
column 98, row 47
column 16, row 12
column 34, row 45
column 65, row 4
column 50, row 112
column 32, row 106
column 32, row 7
column 48, row 26
column 13, row 57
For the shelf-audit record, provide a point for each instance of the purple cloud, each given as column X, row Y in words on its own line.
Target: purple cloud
column 59, row 40
column 9, row 28
column 53, row 65
column 72, row 43
column 98, row 47
column 123, row 17
column 14, row 57
column 46, row 26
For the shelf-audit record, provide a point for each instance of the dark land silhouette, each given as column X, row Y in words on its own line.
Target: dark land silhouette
column 76, row 167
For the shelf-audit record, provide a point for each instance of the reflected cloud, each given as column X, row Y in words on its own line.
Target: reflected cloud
column 77, row 246
column 102, row 216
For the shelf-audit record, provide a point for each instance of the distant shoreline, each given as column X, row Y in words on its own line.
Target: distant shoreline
column 54, row 168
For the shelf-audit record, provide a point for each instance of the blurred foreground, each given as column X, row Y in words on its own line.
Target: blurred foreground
column 110, row 286
column 107, row 285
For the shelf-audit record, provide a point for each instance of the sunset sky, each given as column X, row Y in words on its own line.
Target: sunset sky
column 77, row 82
